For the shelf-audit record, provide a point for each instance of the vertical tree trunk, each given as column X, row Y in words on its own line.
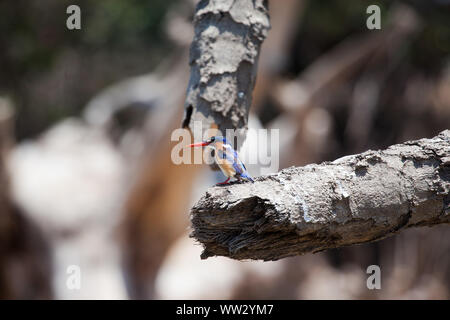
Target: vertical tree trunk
column 223, row 59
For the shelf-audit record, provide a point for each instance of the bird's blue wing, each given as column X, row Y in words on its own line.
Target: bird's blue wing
column 231, row 156
column 226, row 162
column 242, row 169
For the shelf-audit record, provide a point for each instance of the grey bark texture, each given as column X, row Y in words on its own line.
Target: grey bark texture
column 223, row 59
column 354, row 199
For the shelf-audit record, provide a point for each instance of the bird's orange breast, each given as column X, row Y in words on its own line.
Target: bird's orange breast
column 226, row 167
column 224, row 164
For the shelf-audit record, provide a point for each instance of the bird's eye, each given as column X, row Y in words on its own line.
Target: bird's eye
column 212, row 139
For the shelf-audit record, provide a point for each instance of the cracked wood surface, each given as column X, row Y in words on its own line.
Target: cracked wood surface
column 223, row 59
column 354, row 199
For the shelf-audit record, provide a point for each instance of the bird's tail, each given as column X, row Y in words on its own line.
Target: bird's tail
column 247, row 177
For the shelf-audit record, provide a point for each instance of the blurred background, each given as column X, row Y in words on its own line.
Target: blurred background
column 85, row 121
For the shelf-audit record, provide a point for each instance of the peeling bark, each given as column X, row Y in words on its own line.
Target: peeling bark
column 354, row 199
column 223, row 59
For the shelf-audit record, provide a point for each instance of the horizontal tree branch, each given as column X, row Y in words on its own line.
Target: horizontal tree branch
column 354, row 199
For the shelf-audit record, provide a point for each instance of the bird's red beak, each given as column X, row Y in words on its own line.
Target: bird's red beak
column 200, row 144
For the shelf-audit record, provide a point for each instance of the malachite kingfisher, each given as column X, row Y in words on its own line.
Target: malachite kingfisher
column 226, row 158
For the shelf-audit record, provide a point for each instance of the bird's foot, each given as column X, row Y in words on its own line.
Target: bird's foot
column 222, row 183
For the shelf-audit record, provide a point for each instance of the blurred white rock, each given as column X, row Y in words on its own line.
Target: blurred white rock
column 72, row 183
column 184, row 275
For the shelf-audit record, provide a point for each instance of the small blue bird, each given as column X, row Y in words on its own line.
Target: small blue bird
column 226, row 158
